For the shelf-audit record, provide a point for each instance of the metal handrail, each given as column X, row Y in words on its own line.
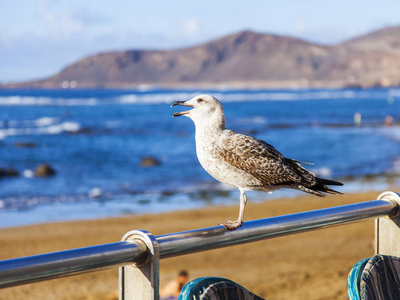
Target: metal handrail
column 71, row 262
column 216, row 237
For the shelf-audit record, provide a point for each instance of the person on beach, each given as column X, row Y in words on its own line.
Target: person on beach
column 173, row 288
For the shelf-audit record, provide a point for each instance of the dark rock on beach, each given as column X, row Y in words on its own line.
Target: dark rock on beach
column 9, row 172
column 25, row 145
column 83, row 131
column 44, row 170
column 149, row 161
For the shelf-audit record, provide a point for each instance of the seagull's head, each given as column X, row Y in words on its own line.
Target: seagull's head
column 205, row 110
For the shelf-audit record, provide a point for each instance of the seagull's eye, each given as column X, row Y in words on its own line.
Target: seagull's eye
column 199, row 100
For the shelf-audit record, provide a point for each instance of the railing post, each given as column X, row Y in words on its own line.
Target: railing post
column 141, row 281
column 387, row 229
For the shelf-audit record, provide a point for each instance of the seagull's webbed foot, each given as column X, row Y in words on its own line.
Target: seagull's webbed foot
column 231, row 225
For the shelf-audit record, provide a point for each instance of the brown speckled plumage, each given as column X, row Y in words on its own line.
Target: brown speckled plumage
column 244, row 161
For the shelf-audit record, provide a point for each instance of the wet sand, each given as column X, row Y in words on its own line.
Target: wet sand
column 312, row 265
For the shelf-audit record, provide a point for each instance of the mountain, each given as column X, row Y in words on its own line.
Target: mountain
column 247, row 59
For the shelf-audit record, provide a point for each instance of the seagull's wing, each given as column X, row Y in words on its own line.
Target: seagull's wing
column 262, row 160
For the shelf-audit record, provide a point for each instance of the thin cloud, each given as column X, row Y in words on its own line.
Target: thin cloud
column 300, row 26
column 91, row 17
column 60, row 25
column 191, row 27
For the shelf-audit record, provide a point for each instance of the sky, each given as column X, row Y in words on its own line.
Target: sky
column 39, row 38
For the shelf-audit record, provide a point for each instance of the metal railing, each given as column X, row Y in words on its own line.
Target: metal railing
column 139, row 252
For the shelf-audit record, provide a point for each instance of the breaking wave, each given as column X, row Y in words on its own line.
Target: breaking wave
column 41, row 126
column 99, row 97
column 44, row 101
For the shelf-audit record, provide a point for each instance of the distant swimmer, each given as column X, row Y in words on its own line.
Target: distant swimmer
column 244, row 161
column 172, row 289
column 357, row 118
column 388, row 121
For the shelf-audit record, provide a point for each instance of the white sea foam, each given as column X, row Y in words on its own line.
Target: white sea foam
column 40, row 126
column 25, row 100
column 59, row 128
column 154, row 98
column 45, row 101
column 28, row 173
column 46, row 121
column 323, row 172
column 157, row 97
column 394, row 92
column 95, row 192
column 392, row 132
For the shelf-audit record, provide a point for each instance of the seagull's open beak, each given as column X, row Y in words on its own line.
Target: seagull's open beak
column 181, row 103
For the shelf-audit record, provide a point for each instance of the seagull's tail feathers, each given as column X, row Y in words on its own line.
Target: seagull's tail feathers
column 321, row 187
column 312, row 184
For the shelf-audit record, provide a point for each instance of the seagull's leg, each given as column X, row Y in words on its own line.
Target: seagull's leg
column 243, row 202
column 229, row 225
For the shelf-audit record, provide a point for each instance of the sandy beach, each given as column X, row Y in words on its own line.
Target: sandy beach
column 312, row 265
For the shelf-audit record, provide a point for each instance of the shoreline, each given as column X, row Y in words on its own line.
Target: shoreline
column 226, row 84
column 97, row 210
column 311, row 265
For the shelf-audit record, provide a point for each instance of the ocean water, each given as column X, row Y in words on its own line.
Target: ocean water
column 96, row 139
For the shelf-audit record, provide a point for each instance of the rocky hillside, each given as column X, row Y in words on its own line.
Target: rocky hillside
column 245, row 59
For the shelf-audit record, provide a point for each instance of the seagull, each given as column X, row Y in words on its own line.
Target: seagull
column 243, row 161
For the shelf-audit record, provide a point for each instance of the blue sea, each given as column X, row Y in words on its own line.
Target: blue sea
column 96, row 139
